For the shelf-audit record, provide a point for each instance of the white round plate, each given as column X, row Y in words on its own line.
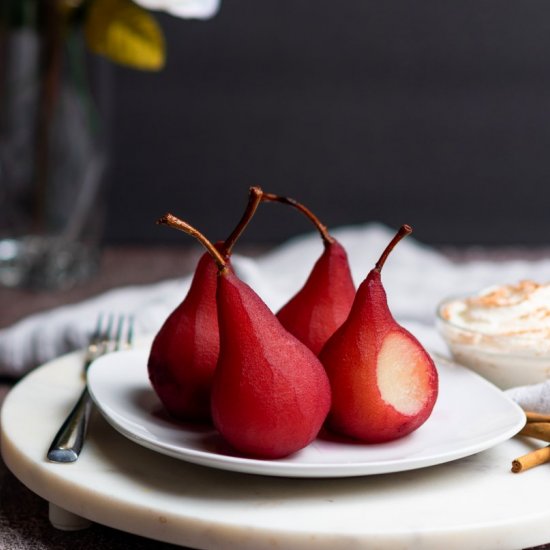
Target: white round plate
column 470, row 415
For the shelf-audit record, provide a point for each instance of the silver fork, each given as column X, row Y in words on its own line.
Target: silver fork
column 67, row 443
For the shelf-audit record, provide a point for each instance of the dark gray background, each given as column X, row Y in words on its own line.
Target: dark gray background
column 434, row 113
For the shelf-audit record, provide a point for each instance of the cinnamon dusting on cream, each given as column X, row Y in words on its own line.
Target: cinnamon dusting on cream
column 515, row 310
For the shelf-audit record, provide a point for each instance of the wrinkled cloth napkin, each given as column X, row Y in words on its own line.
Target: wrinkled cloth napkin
column 534, row 398
column 416, row 278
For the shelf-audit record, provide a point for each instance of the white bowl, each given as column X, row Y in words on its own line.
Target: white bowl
column 507, row 361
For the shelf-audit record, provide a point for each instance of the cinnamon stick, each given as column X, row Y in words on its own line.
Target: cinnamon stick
column 538, row 430
column 530, row 460
column 537, row 417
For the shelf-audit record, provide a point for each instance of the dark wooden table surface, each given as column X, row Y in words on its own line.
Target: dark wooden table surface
column 24, row 523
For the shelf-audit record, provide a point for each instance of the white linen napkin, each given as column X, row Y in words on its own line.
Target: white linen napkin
column 416, row 278
column 534, row 398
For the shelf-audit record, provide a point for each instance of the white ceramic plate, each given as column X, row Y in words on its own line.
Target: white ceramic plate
column 470, row 415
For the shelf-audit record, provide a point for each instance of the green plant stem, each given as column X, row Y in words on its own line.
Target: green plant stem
column 49, row 93
column 78, row 70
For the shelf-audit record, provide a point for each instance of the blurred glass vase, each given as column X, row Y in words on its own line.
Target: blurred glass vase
column 54, row 94
column 52, row 153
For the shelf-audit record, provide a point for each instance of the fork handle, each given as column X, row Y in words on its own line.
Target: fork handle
column 68, row 441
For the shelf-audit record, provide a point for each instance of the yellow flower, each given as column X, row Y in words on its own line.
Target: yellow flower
column 125, row 33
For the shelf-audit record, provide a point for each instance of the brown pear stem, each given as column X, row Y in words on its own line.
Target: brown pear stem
column 172, row 221
column 404, row 230
column 254, row 199
column 325, row 235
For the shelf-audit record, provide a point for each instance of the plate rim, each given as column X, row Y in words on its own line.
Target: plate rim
column 281, row 468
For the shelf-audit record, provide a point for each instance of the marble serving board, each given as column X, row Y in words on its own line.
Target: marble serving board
column 473, row 502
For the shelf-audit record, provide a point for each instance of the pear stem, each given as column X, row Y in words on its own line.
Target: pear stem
column 325, row 235
column 175, row 223
column 404, row 230
column 254, row 199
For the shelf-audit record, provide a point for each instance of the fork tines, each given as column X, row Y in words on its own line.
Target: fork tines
column 124, row 332
column 108, row 337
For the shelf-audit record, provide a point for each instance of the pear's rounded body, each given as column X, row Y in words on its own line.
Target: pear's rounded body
column 185, row 350
column 270, row 394
column 324, row 302
column 384, row 384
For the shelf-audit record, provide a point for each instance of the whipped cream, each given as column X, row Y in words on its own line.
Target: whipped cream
column 502, row 333
column 517, row 311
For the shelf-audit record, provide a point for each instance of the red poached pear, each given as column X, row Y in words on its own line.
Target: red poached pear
column 270, row 394
column 185, row 350
column 384, row 384
column 324, row 302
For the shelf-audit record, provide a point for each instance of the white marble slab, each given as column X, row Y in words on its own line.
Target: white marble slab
column 473, row 503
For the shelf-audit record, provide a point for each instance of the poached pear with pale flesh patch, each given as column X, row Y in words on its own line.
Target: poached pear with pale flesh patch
column 185, row 350
column 384, row 383
column 270, row 393
column 323, row 303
